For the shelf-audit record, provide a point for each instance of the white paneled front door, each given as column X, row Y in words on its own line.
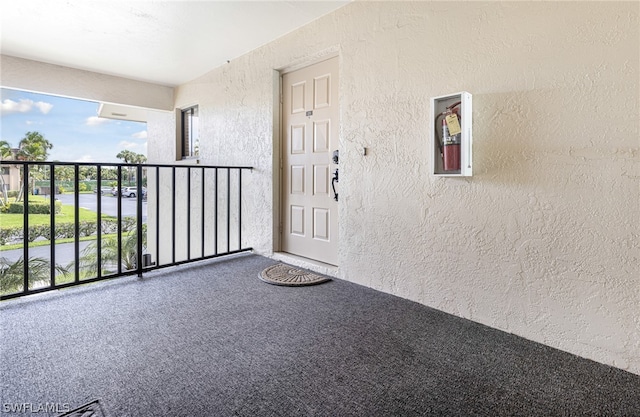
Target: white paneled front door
column 310, row 135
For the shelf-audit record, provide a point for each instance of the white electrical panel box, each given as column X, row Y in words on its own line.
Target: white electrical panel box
column 451, row 132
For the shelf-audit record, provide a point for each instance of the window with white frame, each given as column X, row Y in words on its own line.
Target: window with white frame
column 189, row 138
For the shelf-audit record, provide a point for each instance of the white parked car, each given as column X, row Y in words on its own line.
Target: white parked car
column 133, row 191
column 129, row 191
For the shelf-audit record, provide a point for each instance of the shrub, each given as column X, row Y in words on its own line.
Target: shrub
column 128, row 224
column 38, row 231
column 15, row 208
column 9, row 234
column 66, row 230
column 44, row 232
column 109, row 226
column 34, row 208
column 39, row 208
column 87, row 228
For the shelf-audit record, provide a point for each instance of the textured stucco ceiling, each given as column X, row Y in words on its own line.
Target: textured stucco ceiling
column 164, row 42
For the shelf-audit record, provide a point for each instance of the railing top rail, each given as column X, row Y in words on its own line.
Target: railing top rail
column 119, row 247
column 116, row 164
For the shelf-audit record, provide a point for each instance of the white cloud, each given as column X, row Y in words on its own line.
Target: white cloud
column 95, row 121
column 44, row 107
column 24, row 106
column 127, row 145
column 10, row 106
column 85, row 158
column 140, row 135
column 136, row 147
column 132, row 146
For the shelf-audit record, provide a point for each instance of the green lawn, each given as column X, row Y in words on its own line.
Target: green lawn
column 65, row 216
column 12, row 278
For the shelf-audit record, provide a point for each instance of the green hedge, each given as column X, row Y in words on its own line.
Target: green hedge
column 34, row 208
column 64, row 230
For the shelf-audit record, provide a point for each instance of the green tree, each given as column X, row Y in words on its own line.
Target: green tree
column 12, row 273
column 33, row 147
column 5, row 150
column 126, row 156
column 140, row 159
column 109, row 253
column 109, row 174
column 5, row 154
column 130, row 157
column 88, row 172
column 65, row 173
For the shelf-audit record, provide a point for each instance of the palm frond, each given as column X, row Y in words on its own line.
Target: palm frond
column 12, row 273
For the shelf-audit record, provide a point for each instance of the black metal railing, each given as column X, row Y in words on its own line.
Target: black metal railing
column 157, row 216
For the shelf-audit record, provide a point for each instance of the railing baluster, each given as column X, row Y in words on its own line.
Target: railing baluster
column 210, row 201
column 157, row 215
column 98, row 223
column 119, row 220
column 25, row 225
column 173, row 215
column 52, row 226
column 139, row 221
column 215, row 214
column 76, row 229
column 239, row 209
column 228, row 209
column 202, row 216
column 188, row 213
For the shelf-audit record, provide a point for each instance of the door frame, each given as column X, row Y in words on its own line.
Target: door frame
column 278, row 122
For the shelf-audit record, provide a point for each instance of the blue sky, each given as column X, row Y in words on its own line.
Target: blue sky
column 72, row 126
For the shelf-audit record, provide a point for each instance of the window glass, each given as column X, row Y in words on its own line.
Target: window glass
column 190, row 129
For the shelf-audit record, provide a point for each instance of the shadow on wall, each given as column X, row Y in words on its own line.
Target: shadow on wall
column 531, row 138
column 504, row 136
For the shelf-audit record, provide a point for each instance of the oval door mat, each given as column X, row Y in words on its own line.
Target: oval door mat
column 281, row 274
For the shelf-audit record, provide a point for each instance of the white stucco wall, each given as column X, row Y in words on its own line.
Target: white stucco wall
column 543, row 241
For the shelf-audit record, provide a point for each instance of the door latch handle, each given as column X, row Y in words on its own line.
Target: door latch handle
column 333, row 184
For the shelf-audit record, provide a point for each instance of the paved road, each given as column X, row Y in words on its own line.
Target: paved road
column 65, row 252
column 109, row 204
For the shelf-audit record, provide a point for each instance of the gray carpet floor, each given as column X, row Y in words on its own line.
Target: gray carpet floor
column 214, row 340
